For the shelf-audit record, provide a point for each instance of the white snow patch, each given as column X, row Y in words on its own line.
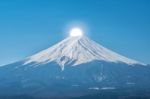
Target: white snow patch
column 108, row 88
column 94, row 88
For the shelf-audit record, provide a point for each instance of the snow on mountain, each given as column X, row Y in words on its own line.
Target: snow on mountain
column 77, row 50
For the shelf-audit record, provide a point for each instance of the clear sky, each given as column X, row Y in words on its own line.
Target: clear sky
column 29, row 26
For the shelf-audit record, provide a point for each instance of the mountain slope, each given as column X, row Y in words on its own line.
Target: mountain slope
column 77, row 50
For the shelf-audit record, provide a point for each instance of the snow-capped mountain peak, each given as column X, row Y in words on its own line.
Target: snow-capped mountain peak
column 75, row 51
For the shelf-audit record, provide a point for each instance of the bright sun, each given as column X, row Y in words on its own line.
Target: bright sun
column 76, row 32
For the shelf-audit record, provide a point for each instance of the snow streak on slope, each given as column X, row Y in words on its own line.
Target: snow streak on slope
column 77, row 50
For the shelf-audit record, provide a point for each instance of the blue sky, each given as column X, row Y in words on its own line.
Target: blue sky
column 29, row 26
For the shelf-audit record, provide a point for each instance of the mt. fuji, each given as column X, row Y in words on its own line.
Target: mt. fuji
column 75, row 67
column 77, row 50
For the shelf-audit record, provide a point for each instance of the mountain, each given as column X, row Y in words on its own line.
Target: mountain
column 73, row 68
column 75, row 51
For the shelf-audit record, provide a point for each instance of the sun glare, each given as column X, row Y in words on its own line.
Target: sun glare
column 75, row 32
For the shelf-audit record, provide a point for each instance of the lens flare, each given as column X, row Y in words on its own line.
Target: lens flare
column 75, row 32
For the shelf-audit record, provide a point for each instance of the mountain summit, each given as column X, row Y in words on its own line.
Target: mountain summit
column 75, row 51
